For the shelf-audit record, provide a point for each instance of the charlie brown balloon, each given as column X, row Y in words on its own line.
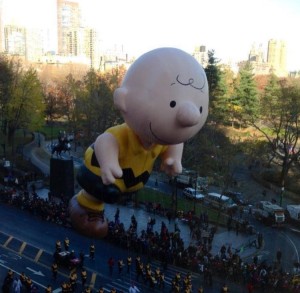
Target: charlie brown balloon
column 163, row 100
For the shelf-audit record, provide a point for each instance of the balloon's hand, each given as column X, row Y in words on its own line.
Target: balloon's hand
column 110, row 173
column 171, row 166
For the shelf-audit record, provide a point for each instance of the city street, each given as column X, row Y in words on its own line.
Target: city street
column 27, row 244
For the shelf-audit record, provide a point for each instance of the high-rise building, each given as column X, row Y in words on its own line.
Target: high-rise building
column 256, row 54
column 277, row 57
column 68, row 22
column 257, row 61
column 92, row 47
column 201, row 55
column 34, row 44
column 14, row 40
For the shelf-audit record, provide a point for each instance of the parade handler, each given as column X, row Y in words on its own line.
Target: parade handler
column 163, row 100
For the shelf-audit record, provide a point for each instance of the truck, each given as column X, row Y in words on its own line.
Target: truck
column 189, row 178
column 269, row 213
column 293, row 213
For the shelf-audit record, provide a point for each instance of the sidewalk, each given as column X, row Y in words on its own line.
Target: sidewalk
column 222, row 237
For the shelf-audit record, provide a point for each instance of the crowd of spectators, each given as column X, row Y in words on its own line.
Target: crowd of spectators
column 157, row 242
column 28, row 200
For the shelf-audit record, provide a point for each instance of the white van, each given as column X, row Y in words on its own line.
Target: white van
column 217, row 200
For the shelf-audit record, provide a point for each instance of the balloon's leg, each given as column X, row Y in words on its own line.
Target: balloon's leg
column 87, row 215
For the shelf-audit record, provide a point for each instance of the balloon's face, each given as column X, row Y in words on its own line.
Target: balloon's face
column 164, row 97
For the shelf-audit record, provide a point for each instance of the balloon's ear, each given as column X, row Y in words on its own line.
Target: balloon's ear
column 120, row 98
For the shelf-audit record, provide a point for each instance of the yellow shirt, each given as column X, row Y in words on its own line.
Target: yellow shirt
column 135, row 161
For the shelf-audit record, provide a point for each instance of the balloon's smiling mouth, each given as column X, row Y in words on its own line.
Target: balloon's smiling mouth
column 156, row 137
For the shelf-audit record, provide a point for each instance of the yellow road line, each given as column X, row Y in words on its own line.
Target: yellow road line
column 22, row 247
column 7, row 241
column 38, row 255
column 93, row 280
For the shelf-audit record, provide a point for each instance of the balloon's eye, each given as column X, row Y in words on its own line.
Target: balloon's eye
column 172, row 104
column 200, row 109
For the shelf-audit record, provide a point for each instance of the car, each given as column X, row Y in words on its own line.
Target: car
column 217, row 200
column 192, row 193
column 237, row 197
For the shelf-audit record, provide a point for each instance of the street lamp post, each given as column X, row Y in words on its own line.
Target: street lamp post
column 195, row 188
column 51, row 131
column 174, row 196
column 281, row 195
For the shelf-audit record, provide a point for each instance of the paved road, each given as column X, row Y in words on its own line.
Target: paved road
column 27, row 244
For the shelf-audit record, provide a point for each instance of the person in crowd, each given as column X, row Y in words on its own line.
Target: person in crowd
column 48, row 289
column 58, row 246
column 67, row 243
column 161, row 281
column 117, row 216
column 8, row 281
column 23, row 279
column 250, row 287
column 129, row 262
column 73, row 281
column 81, row 258
column 92, row 251
column 139, row 270
column 29, row 284
column 120, row 266
column 17, row 285
column 133, row 288
column 83, row 277
column 278, row 256
column 65, row 287
column 54, row 268
column 224, row 289
column 111, row 264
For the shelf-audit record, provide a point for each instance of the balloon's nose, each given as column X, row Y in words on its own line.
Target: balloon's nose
column 188, row 114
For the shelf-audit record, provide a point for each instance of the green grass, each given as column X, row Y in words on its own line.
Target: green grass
column 14, row 148
column 51, row 132
column 147, row 195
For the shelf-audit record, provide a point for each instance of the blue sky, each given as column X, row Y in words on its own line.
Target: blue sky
column 229, row 27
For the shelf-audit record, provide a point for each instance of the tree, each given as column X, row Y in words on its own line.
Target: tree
column 6, row 78
column 107, row 113
column 221, row 104
column 245, row 101
column 212, row 71
column 95, row 103
column 279, row 123
column 51, row 100
column 68, row 92
column 25, row 108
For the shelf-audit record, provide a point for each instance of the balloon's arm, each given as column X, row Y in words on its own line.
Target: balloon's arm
column 107, row 151
column 171, row 160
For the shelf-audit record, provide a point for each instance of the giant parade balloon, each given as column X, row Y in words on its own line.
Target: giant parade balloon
column 163, row 100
